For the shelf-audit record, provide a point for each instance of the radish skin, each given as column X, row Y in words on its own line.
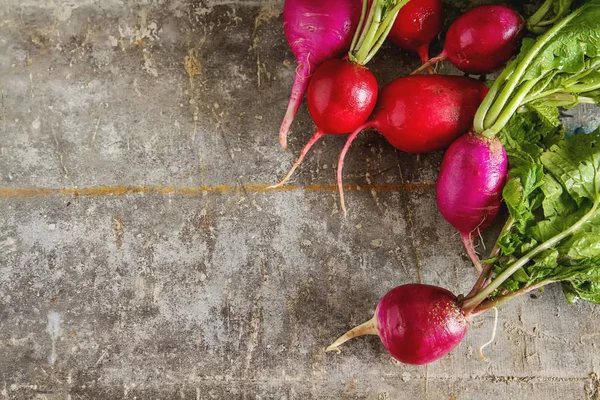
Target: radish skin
column 341, row 96
column 316, row 31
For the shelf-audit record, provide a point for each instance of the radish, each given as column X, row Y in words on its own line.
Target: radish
column 417, row 24
column 421, row 113
column 341, row 96
column 416, row 323
column 469, row 186
column 316, row 31
column 342, row 93
column 482, row 40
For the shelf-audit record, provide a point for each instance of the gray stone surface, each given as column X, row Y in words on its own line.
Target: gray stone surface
column 141, row 257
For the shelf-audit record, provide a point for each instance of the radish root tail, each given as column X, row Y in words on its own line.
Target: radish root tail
column 423, row 52
column 430, row 63
column 467, row 240
column 486, row 344
column 368, row 328
column 340, row 167
column 318, row 135
column 299, row 87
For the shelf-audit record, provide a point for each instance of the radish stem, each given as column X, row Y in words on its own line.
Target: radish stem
column 363, row 32
column 497, row 120
column 363, row 14
column 495, row 302
column 571, row 89
column 368, row 328
column 537, row 24
column 370, row 38
column 381, row 38
column 379, row 23
column 491, row 96
column 539, row 15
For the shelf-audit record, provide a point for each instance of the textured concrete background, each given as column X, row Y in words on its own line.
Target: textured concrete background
column 141, row 257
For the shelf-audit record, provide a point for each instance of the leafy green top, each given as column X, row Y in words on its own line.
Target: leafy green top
column 550, row 190
column 553, row 232
column 561, row 66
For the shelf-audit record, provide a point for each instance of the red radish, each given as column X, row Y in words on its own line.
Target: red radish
column 422, row 113
column 417, row 24
column 482, row 40
column 341, row 96
column 316, row 31
column 417, row 324
column 469, row 186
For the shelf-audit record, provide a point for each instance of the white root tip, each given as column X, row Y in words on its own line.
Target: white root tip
column 331, row 348
column 371, row 327
column 344, row 209
column 483, row 357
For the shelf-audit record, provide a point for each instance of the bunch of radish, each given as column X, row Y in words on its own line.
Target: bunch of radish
column 415, row 114
column 424, row 113
column 551, row 186
column 318, row 31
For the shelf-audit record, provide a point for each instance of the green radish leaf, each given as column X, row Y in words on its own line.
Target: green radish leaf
column 567, row 50
column 588, row 290
column 551, row 190
column 525, row 137
column 550, row 12
column 553, row 70
column 574, row 164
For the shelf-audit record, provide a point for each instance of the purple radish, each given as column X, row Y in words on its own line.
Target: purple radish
column 469, row 186
column 482, row 40
column 417, row 324
column 316, row 31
